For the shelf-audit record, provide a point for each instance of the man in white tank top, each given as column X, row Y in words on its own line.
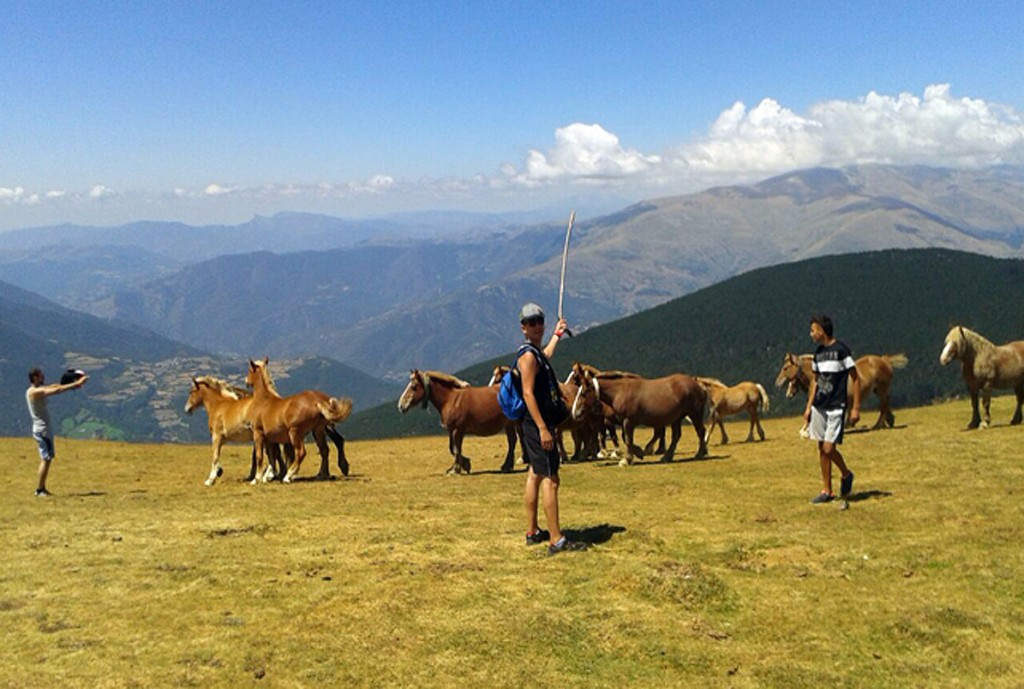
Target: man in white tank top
column 42, row 429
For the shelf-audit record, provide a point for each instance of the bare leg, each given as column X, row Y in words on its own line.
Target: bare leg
column 44, row 471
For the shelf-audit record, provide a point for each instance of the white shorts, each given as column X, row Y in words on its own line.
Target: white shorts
column 827, row 426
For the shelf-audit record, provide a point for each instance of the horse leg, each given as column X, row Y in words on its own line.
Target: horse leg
column 670, row 451
column 753, row 422
column 299, row 444
column 757, row 420
column 462, row 459
column 285, row 458
column 975, row 415
column 1019, row 391
column 627, row 440
column 216, row 470
column 257, row 445
column 697, row 419
column 320, row 438
column 339, row 442
column 510, row 455
column 986, row 400
column 563, row 456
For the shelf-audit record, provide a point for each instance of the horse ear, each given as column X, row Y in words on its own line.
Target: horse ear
column 195, row 383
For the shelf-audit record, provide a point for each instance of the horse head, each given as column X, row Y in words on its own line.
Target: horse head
column 954, row 345
column 588, row 391
column 195, row 397
column 416, row 392
column 788, row 372
column 496, row 375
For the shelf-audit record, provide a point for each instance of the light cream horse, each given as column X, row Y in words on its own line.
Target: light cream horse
column 226, row 409
column 986, row 366
column 726, row 401
column 874, row 372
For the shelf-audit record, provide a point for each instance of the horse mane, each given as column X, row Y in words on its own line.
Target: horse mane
column 223, row 387
column 976, row 340
column 267, row 378
column 711, row 381
column 446, row 379
column 615, row 375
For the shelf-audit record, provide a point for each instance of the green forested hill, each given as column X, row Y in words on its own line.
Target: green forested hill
column 739, row 329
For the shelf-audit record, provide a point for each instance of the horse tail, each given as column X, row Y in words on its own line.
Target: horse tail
column 764, row 397
column 335, row 409
column 897, row 360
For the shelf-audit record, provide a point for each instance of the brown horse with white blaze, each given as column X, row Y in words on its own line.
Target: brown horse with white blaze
column 986, row 366
column 875, row 373
column 276, row 419
column 726, row 401
column 464, row 409
column 641, row 401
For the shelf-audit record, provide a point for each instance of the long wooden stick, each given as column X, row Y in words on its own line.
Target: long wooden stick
column 565, row 257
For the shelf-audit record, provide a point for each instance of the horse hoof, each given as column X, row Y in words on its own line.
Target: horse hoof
column 624, row 463
column 209, row 481
column 220, row 471
column 344, row 469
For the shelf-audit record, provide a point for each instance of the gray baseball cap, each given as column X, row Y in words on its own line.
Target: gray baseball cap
column 530, row 310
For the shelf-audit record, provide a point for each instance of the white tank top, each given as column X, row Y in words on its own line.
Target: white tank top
column 39, row 411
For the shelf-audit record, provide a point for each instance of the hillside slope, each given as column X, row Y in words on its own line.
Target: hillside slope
column 740, row 329
column 138, row 380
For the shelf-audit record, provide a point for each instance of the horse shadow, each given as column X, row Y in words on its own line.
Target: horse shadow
column 594, row 535
column 658, row 462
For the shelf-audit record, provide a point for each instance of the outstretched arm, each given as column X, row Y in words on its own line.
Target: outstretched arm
column 57, row 388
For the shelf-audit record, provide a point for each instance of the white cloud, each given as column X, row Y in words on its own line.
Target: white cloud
column 741, row 145
column 583, row 151
column 219, row 190
column 101, row 192
column 10, row 195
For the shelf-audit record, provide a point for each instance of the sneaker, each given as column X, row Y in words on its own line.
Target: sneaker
column 564, row 545
column 846, row 485
column 822, row 497
column 537, row 537
column 43, row 493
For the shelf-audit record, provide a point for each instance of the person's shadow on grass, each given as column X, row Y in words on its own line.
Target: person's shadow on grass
column 594, row 535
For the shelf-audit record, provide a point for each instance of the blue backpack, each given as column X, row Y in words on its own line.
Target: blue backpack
column 510, row 389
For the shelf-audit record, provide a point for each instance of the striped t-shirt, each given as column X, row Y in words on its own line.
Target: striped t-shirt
column 832, row 364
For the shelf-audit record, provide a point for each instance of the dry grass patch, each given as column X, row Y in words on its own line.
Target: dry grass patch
column 714, row 572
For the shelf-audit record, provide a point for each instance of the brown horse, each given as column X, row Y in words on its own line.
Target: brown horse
column 638, row 401
column 726, row 401
column 585, row 431
column 276, row 419
column 464, row 410
column 874, row 372
column 986, row 366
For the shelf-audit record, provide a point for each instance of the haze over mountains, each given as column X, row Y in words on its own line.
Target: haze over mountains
column 384, row 298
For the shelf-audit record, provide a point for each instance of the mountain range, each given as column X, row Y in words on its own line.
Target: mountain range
column 442, row 291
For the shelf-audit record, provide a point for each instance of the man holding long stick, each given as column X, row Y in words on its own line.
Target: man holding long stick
column 544, row 411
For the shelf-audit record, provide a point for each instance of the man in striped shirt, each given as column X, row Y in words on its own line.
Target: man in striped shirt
column 826, row 405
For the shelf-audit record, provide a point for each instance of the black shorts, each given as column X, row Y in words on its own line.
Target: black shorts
column 544, row 462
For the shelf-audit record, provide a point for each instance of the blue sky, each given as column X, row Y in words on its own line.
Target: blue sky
column 210, row 112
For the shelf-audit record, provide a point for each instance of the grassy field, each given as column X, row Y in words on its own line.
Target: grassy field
column 702, row 573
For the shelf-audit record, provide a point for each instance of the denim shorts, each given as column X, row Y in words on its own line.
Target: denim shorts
column 45, row 444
